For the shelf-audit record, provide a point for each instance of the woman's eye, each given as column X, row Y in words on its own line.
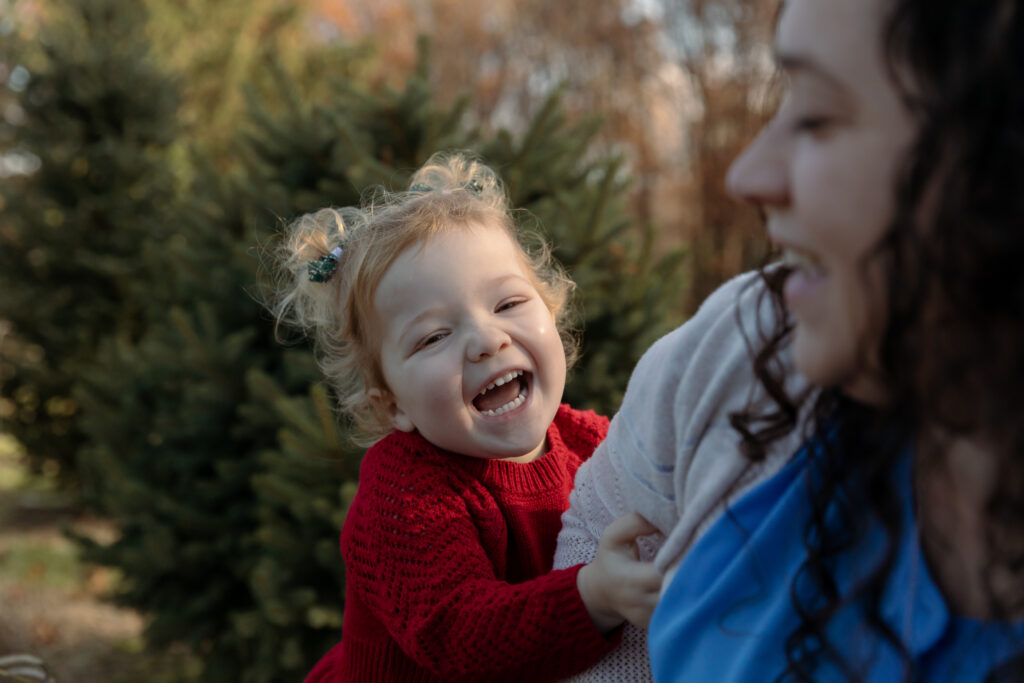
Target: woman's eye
column 812, row 124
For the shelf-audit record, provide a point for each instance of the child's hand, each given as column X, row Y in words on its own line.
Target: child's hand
column 617, row 586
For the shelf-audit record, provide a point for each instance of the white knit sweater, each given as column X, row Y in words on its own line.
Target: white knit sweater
column 670, row 453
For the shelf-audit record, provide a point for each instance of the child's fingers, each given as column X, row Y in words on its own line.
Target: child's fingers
column 627, row 528
column 647, row 577
column 641, row 618
column 640, row 595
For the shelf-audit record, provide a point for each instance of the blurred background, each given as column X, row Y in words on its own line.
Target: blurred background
column 172, row 479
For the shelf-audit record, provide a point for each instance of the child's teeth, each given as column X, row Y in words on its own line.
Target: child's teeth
column 504, row 379
column 511, row 405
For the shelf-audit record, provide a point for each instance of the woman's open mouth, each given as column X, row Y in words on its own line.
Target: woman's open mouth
column 505, row 393
column 798, row 259
column 806, row 276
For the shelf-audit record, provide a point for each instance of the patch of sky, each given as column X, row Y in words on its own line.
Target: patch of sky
column 691, row 36
column 18, row 163
column 638, row 11
column 18, row 78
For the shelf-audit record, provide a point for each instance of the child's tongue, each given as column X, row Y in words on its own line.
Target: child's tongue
column 498, row 396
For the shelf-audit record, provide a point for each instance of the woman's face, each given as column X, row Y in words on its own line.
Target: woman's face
column 823, row 170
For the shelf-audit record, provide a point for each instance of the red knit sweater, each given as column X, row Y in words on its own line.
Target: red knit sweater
column 448, row 566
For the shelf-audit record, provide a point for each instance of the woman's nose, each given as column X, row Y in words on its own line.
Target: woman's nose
column 760, row 174
column 485, row 341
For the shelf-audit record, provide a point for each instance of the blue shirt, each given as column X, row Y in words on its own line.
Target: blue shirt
column 727, row 612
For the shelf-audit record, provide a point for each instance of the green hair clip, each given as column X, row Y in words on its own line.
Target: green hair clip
column 322, row 269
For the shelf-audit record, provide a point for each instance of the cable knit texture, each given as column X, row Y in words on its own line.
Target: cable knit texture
column 448, row 566
column 671, row 454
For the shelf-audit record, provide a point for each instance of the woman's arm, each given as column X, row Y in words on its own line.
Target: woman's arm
column 677, row 403
column 670, row 453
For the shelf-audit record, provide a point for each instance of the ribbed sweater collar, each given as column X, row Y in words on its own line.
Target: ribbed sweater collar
column 546, row 472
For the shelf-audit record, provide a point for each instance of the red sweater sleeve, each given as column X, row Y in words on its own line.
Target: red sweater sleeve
column 416, row 557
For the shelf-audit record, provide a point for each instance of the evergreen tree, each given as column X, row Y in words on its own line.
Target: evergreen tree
column 628, row 295
column 217, row 449
column 217, row 47
column 96, row 115
column 214, row 447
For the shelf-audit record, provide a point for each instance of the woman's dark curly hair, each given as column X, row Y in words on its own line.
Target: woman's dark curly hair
column 952, row 349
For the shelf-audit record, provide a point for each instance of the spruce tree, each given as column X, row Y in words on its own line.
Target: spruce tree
column 217, row 449
column 214, row 447
column 97, row 115
column 627, row 293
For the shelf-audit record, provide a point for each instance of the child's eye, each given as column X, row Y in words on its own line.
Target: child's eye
column 509, row 303
column 430, row 340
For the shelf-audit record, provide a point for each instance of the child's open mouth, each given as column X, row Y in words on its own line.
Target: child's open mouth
column 503, row 394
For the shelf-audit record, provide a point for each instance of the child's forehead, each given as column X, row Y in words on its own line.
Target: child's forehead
column 500, row 240
column 451, row 265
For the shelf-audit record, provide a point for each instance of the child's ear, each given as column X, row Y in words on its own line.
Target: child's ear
column 384, row 401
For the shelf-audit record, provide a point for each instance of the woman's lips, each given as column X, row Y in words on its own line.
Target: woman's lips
column 801, row 285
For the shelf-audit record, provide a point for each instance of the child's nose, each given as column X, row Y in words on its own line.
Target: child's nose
column 486, row 340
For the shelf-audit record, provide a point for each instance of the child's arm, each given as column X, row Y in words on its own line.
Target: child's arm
column 414, row 557
column 617, row 586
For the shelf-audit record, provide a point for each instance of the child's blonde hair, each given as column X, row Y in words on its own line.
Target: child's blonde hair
column 450, row 191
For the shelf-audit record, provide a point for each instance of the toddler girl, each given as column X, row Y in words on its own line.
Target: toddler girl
column 444, row 341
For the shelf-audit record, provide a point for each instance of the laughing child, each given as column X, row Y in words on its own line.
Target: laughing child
column 445, row 342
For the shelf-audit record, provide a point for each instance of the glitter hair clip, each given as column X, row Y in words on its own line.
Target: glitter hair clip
column 472, row 186
column 322, row 269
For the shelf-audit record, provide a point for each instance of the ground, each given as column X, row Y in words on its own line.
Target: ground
column 51, row 605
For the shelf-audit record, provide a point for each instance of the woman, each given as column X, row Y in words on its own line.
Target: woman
column 863, row 518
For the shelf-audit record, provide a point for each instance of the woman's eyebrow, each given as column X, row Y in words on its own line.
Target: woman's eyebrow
column 793, row 64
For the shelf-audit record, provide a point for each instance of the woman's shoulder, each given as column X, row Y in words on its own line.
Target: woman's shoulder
column 711, row 351
column 672, row 443
column 721, row 321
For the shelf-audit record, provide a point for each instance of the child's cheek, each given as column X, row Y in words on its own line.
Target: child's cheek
column 439, row 384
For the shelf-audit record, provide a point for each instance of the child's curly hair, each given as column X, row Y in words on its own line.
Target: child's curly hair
column 451, row 191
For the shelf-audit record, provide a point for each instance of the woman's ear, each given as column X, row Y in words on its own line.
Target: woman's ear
column 385, row 402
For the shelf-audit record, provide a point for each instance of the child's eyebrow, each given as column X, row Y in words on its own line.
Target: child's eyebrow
column 501, row 279
column 432, row 310
column 408, row 326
